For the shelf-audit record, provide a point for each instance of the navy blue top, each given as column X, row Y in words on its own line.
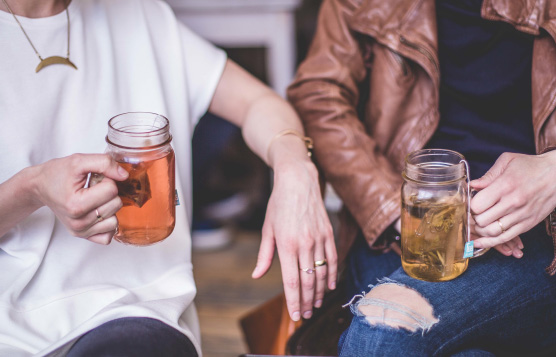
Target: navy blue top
column 485, row 91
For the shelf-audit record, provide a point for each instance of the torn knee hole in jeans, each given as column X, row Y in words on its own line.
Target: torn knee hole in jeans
column 392, row 304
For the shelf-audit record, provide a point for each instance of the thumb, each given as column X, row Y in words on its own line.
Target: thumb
column 266, row 253
column 495, row 171
column 103, row 165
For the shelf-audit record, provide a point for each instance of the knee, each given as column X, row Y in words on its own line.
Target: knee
column 397, row 306
column 390, row 320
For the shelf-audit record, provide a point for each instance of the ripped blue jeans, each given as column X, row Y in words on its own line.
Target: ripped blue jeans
column 499, row 306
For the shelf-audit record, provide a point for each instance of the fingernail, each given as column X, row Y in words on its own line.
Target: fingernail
column 333, row 285
column 518, row 254
column 122, row 171
column 318, row 303
column 307, row 314
column 295, row 316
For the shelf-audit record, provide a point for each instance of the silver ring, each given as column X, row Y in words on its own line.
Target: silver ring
column 308, row 270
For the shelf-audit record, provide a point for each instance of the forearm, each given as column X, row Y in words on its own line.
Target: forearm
column 350, row 158
column 17, row 199
column 266, row 118
column 325, row 94
column 261, row 114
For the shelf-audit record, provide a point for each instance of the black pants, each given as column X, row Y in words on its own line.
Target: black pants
column 133, row 336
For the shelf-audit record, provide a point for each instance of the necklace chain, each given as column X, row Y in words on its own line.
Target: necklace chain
column 29, row 39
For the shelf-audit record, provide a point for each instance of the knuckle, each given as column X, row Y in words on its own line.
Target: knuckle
column 103, row 239
column 308, row 285
column 113, row 222
column 505, row 186
column 493, row 230
column 292, row 283
column 307, row 244
column 78, row 226
column 475, row 206
column 288, row 249
column 332, row 259
column 112, row 188
column 479, row 221
column 329, row 232
column 75, row 233
column 105, row 161
column 120, row 204
column 74, row 209
column 518, row 200
column 75, row 158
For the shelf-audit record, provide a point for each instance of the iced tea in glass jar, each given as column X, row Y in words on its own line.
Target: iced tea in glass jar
column 435, row 215
column 141, row 143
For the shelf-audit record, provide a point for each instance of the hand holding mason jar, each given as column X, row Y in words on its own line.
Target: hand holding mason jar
column 435, row 234
column 141, row 143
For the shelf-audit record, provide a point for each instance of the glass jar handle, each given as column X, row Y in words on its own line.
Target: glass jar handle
column 469, row 251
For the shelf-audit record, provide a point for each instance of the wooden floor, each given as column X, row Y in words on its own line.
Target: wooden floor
column 226, row 292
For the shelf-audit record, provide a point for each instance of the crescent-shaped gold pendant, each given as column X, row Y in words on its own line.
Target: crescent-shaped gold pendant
column 54, row 60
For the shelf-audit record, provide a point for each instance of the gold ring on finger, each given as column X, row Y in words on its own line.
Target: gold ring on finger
column 501, row 226
column 319, row 263
column 99, row 217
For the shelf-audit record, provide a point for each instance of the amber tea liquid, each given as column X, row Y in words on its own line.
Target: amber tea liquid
column 433, row 239
column 148, row 196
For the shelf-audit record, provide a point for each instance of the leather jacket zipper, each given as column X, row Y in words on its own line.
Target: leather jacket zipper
column 421, row 50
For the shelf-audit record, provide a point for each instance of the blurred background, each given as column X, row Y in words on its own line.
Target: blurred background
column 231, row 185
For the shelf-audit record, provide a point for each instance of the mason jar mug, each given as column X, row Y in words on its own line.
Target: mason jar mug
column 141, row 143
column 435, row 215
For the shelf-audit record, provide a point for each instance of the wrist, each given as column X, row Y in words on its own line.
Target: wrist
column 28, row 188
column 297, row 167
column 287, row 149
column 286, row 143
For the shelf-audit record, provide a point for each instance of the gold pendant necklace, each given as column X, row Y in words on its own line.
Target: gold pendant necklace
column 49, row 60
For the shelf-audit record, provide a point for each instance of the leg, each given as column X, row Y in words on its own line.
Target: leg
column 365, row 266
column 133, row 336
column 499, row 305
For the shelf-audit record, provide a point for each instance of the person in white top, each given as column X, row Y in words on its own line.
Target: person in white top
column 66, row 69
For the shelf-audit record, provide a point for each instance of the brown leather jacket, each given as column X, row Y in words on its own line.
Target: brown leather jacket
column 368, row 95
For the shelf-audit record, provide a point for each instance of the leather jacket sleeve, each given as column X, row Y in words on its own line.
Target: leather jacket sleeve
column 326, row 94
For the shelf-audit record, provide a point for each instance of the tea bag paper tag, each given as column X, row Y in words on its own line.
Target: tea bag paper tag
column 468, row 250
column 177, row 199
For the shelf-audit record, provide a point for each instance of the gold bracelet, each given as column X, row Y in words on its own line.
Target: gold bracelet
column 306, row 140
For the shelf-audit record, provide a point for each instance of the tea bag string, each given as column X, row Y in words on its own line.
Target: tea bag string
column 468, row 179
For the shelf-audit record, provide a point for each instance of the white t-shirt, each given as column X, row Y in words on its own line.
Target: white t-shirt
column 132, row 55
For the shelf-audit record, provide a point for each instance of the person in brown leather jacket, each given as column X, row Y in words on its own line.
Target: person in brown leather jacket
column 385, row 78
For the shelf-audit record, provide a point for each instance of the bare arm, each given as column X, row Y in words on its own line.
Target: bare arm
column 296, row 221
column 17, row 200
